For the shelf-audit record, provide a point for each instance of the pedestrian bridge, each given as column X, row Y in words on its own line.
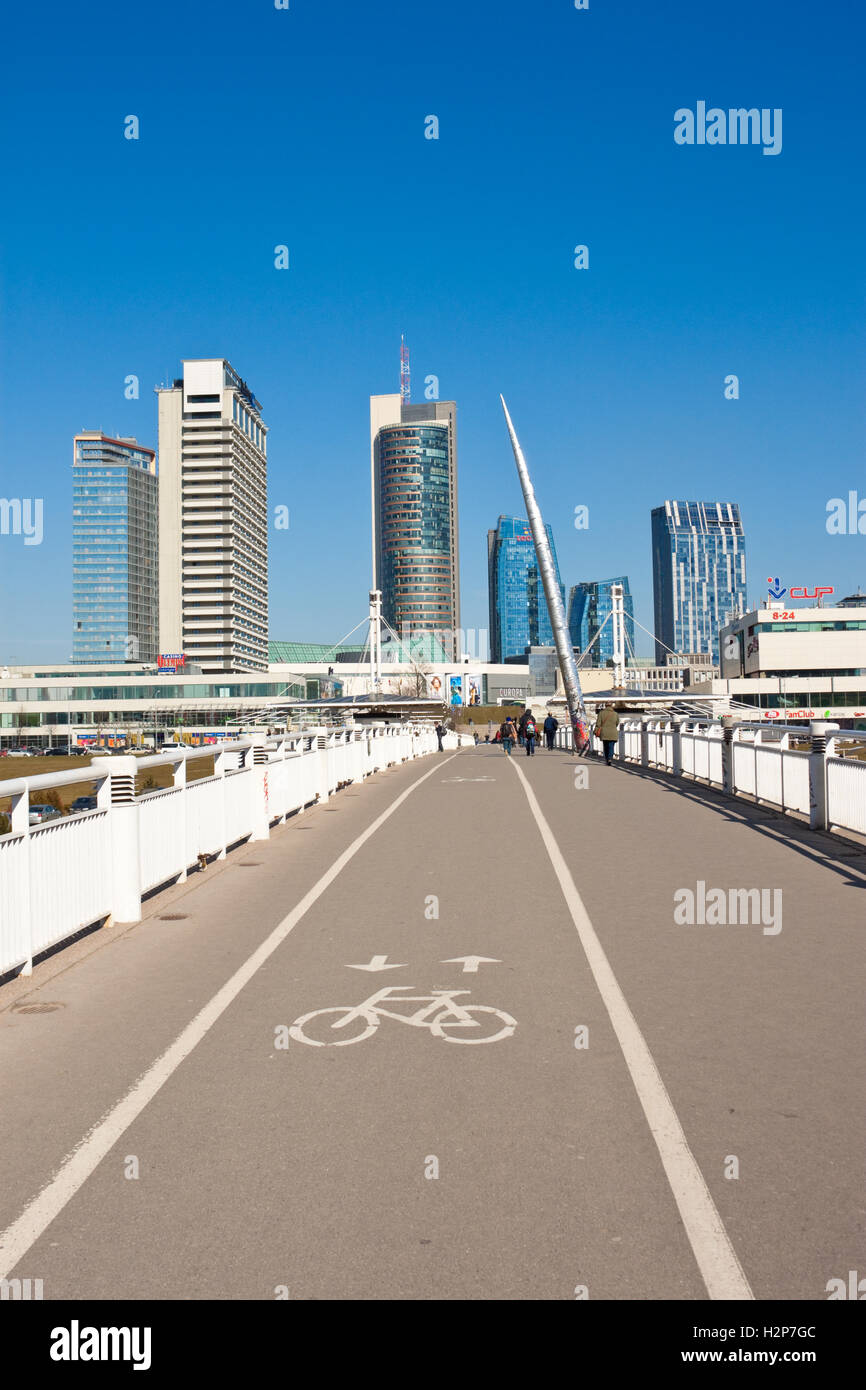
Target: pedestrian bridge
column 435, row 1025
column 62, row 876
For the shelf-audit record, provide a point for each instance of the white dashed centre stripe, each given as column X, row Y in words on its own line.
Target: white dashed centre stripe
column 717, row 1260
column 77, row 1167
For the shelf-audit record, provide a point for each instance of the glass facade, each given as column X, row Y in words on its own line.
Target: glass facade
column 699, row 574
column 143, row 702
column 414, row 531
column 115, row 556
column 518, row 609
column 589, row 604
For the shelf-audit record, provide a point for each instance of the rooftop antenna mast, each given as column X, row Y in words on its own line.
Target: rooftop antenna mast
column 405, row 388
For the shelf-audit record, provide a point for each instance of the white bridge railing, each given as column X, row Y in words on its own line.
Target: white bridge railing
column 66, row 874
column 821, row 780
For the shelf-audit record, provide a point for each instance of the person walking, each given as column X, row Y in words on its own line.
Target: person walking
column 550, row 727
column 440, row 734
column 607, row 729
column 522, row 725
column 530, row 730
column 507, row 736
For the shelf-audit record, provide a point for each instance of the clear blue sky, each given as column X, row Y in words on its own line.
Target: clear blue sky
column 306, row 127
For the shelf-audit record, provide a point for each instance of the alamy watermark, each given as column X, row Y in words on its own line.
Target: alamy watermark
column 77, row 1343
column 463, row 642
column 721, row 907
column 855, row 1288
column 846, row 516
column 20, row 1290
column 22, row 516
column 736, row 126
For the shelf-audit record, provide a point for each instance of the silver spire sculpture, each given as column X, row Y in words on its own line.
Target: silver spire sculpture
column 555, row 607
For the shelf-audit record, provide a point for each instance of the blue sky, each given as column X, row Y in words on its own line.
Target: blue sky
column 306, row 127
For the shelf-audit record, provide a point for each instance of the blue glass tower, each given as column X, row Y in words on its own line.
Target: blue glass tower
column 589, row 604
column 518, row 611
column 115, row 569
column 699, row 574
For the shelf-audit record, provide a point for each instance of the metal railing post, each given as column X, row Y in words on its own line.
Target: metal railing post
column 219, row 768
column 819, row 729
column 116, row 793
column 676, row 747
column 728, row 723
column 178, row 777
column 283, row 775
column 20, row 824
column 261, row 826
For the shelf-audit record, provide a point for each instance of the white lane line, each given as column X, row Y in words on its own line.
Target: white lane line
column 77, row 1167
column 717, row 1260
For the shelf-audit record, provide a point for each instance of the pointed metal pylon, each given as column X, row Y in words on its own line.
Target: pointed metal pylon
column 555, row 606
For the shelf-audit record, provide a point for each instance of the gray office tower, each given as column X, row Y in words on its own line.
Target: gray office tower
column 413, row 478
column 699, row 574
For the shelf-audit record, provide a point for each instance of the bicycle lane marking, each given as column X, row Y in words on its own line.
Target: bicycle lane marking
column 716, row 1258
column 439, row 1012
column 78, row 1165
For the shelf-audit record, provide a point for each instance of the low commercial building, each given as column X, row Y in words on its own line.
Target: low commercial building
column 795, row 642
column 118, row 707
column 797, row 664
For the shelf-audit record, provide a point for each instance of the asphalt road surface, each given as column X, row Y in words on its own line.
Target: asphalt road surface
column 555, row 1089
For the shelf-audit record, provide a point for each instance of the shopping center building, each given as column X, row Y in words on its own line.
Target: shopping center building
column 797, row 664
column 45, row 705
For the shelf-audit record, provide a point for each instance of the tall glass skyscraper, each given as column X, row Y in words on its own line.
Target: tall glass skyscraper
column 414, row 496
column 699, row 574
column 115, row 556
column 589, row 604
column 518, row 609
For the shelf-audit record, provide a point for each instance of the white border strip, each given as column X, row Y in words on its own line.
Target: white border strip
column 77, row 1167
column 717, row 1260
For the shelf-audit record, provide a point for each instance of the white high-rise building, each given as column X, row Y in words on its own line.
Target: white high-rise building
column 213, row 520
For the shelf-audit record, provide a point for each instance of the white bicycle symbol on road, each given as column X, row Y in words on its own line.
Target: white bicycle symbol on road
column 441, row 1013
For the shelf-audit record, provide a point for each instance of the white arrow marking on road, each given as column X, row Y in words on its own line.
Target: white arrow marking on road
column 471, row 963
column 468, row 779
column 377, row 963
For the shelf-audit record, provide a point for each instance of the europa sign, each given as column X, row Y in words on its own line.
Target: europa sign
column 797, row 590
column 171, row 661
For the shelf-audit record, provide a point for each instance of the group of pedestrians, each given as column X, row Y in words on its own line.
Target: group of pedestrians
column 526, row 733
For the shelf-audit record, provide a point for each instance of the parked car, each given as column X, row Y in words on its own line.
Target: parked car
column 82, row 803
column 19, row 752
column 40, row 814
